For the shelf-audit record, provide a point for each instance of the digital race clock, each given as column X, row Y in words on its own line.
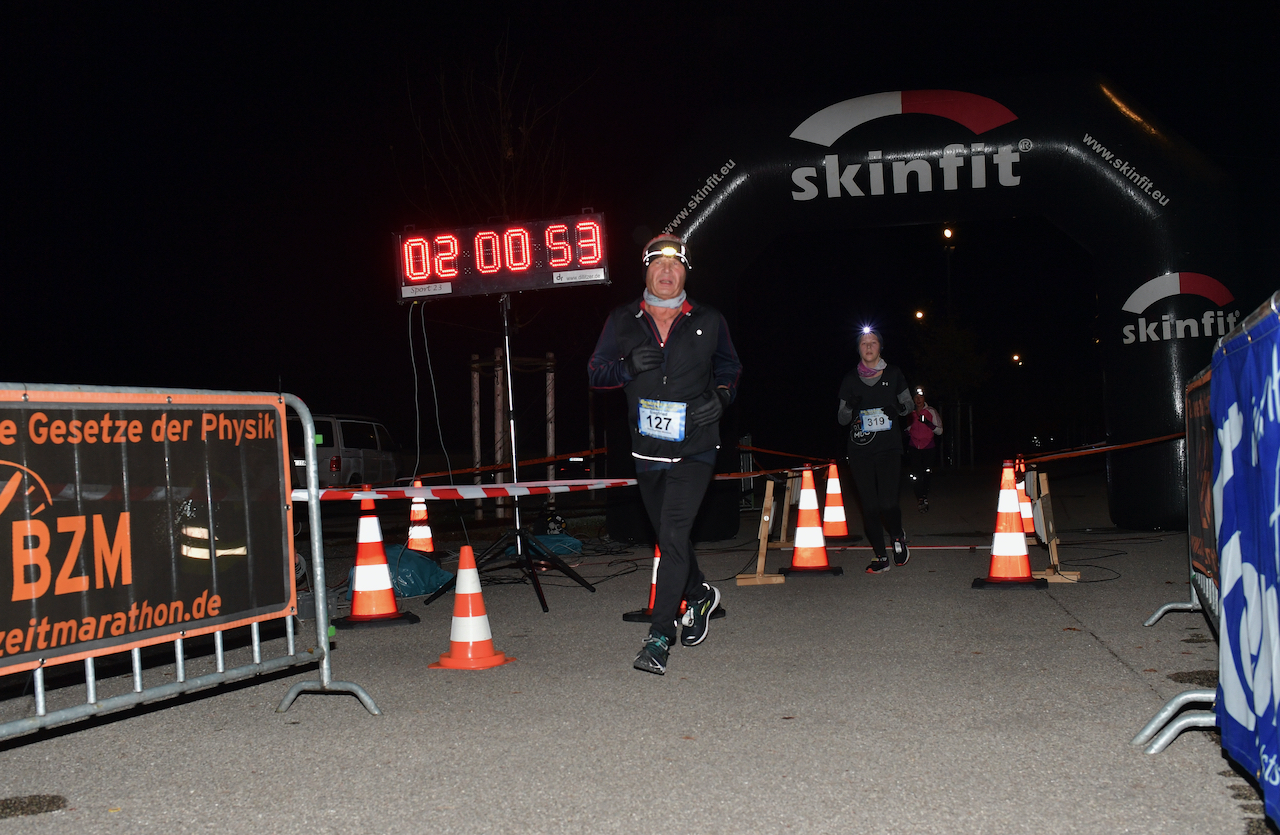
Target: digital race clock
column 502, row 258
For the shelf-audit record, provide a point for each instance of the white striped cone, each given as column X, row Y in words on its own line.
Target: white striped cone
column 833, row 521
column 811, row 548
column 653, row 583
column 1024, row 509
column 470, row 639
column 372, row 597
column 1009, row 559
column 419, row 530
column 643, row 615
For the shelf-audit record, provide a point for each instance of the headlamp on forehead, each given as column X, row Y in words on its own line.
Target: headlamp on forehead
column 665, row 248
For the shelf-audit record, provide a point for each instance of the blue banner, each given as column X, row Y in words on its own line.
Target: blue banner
column 1245, row 405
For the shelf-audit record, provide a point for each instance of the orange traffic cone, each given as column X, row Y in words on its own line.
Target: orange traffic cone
column 1010, row 564
column 470, row 641
column 419, row 530
column 645, row 614
column 810, row 553
column 833, row 522
column 373, row 601
column 1024, row 501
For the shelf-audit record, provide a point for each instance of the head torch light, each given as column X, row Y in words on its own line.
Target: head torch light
column 665, row 248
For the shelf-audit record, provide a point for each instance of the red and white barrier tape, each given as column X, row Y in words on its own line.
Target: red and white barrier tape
column 468, row 491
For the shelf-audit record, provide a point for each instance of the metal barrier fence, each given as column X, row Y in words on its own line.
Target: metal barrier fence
column 1202, row 566
column 195, row 484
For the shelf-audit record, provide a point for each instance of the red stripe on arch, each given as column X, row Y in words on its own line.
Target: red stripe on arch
column 1203, row 285
column 977, row 113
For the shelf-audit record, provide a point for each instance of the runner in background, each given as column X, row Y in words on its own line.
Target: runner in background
column 922, row 448
column 872, row 396
column 677, row 364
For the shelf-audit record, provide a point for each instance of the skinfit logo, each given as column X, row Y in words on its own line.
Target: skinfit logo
column 1213, row 322
column 977, row 113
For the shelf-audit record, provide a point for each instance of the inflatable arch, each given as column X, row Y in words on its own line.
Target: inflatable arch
column 1154, row 214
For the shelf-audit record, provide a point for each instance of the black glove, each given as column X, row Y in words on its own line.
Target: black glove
column 707, row 409
column 642, row 358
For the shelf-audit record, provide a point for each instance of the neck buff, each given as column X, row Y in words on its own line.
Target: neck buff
column 864, row 371
column 653, row 301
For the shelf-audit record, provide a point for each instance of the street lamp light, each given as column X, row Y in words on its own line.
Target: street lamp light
column 948, row 235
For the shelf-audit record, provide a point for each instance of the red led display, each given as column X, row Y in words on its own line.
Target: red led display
column 417, row 259
column 420, row 264
column 446, row 258
column 560, row 253
column 501, row 258
column 488, row 253
column 590, row 243
column 516, row 243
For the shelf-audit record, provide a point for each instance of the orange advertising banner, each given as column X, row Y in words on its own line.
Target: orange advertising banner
column 130, row 518
column 1201, row 531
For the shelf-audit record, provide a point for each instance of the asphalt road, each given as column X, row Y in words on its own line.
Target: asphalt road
column 900, row 703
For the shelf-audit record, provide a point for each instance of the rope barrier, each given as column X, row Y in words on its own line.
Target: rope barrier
column 757, row 473
column 1093, row 450
column 822, row 458
column 1048, row 456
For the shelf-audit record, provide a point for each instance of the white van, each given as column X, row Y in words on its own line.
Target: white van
column 350, row 449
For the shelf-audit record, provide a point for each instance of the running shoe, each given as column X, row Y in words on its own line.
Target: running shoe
column 878, row 566
column 697, row 617
column 652, row 657
column 900, row 551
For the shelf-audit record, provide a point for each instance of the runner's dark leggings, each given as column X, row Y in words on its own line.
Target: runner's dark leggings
column 672, row 498
column 921, row 462
column 877, row 477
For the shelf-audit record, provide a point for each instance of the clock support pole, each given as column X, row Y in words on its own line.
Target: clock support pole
column 531, row 555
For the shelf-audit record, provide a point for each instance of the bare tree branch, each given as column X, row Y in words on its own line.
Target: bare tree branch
column 486, row 148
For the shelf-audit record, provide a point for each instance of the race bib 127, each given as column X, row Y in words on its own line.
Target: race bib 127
column 662, row 419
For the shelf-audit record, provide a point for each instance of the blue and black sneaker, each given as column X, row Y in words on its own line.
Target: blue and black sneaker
column 697, row 617
column 653, row 655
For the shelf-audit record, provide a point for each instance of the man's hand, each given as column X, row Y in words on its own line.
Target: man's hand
column 643, row 358
column 708, row 408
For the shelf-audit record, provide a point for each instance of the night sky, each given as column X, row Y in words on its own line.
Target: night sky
column 206, row 196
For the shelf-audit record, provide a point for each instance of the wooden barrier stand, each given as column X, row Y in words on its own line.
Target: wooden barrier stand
column 1042, row 509
column 760, row 578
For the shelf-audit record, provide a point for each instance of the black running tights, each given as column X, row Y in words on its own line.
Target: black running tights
column 877, row 478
